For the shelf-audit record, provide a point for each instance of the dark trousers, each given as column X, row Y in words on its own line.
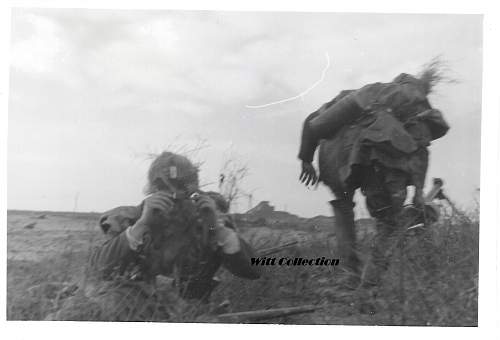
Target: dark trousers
column 385, row 192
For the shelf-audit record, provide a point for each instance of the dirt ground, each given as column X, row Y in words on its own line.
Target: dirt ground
column 54, row 233
column 49, row 250
column 45, row 248
column 38, row 241
column 51, row 234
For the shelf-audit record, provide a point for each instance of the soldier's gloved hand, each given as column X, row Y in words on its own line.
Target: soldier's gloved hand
column 227, row 239
column 206, row 205
column 308, row 174
column 207, row 209
column 208, row 216
column 156, row 207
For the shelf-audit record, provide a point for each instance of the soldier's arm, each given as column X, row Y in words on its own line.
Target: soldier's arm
column 239, row 263
column 117, row 248
column 310, row 139
column 343, row 110
column 308, row 143
column 111, row 254
column 435, row 121
column 420, row 110
column 235, row 253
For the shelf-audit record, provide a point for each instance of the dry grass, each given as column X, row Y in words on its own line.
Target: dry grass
column 432, row 282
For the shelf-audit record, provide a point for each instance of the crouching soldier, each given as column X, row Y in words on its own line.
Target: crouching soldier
column 375, row 139
column 177, row 231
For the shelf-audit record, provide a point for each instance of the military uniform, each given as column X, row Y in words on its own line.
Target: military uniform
column 120, row 284
column 184, row 243
column 374, row 138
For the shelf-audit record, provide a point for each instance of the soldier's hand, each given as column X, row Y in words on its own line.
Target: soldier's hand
column 156, row 207
column 206, row 204
column 227, row 239
column 308, row 174
column 208, row 216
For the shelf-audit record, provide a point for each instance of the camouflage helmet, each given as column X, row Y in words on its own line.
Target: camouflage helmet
column 172, row 170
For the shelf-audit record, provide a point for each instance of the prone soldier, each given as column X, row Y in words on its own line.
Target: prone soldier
column 177, row 230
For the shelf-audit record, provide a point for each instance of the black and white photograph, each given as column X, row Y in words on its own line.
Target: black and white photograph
column 249, row 167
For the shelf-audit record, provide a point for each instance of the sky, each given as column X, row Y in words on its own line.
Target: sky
column 94, row 92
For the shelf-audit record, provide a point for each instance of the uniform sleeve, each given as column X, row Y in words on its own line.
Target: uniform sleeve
column 366, row 96
column 111, row 254
column 308, row 143
column 335, row 115
column 116, row 249
column 420, row 132
column 115, row 221
column 239, row 263
column 434, row 119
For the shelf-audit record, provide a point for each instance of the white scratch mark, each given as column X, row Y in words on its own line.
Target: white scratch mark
column 300, row 95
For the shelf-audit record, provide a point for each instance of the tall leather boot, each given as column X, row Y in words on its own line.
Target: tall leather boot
column 382, row 247
column 346, row 239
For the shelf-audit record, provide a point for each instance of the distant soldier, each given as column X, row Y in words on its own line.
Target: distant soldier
column 374, row 138
column 177, row 231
